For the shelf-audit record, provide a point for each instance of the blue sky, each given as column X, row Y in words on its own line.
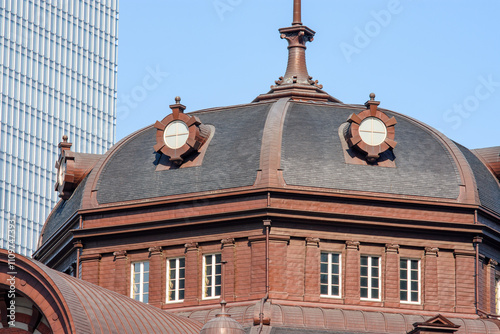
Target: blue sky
column 436, row 61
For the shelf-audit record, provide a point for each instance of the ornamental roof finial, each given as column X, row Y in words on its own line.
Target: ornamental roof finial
column 296, row 83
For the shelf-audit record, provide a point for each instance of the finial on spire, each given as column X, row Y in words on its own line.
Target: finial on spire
column 297, row 83
column 297, row 12
column 372, row 96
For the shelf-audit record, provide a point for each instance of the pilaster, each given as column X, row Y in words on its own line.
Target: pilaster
column 352, row 272
column 156, row 276
column 391, row 275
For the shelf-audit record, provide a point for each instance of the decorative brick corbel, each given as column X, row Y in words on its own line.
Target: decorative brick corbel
column 118, row 255
column 351, row 244
column 191, row 246
column 228, row 242
column 392, row 248
column 311, row 241
column 431, row 251
column 155, row 250
column 492, row 263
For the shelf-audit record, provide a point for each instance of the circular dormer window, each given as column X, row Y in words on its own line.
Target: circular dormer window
column 176, row 134
column 373, row 131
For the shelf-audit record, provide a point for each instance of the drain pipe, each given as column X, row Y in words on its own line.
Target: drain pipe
column 267, row 225
column 476, row 241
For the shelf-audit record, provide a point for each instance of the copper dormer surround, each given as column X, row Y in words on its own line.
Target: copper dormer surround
column 297, row 83
column 371, row 131
column 179, row 135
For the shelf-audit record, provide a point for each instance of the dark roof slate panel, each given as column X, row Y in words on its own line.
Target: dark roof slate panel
column 487, row 186
column 64, row 210
column 312, row 156
column 231, row 160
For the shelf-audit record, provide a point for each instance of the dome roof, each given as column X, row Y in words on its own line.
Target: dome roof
column 310, row 152
column 286, row 144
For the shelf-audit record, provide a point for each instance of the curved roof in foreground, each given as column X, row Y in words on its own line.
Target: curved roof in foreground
column 70, row 305
column 323, row 320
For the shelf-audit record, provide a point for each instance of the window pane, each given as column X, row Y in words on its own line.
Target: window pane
column 324, row 279
column 403, row 274
column 324, row 289
column 364, row 292
column 364, row 271
column 364, row 281
column 364, row 261
column 324, row 257
column 403, row 295
column 414, row 296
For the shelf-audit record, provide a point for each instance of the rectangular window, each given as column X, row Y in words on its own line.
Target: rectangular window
column 409, row 281
column 212, row 276
column 497, row 294
column 370, row 277
column 139, row 289
column 176, row 278
column 330, row 275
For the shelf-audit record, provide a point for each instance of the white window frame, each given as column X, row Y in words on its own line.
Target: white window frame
column 497, row 294
column 409, row 280
column 141, row 273
column 369, row 278
column 213, row 275
column 177, row 279
column 329, row 272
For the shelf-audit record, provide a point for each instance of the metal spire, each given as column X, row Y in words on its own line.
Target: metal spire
column 297, row 12
column 296, row 83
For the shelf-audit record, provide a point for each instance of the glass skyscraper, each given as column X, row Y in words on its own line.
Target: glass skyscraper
column 57, row 76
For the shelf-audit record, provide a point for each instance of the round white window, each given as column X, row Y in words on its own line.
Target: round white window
column 372, row 131
column 176, row 134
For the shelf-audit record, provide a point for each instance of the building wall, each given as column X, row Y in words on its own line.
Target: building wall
column 446, row 275
column 58, row 63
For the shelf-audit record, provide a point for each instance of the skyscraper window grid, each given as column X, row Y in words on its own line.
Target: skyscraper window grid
column 58, row 76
